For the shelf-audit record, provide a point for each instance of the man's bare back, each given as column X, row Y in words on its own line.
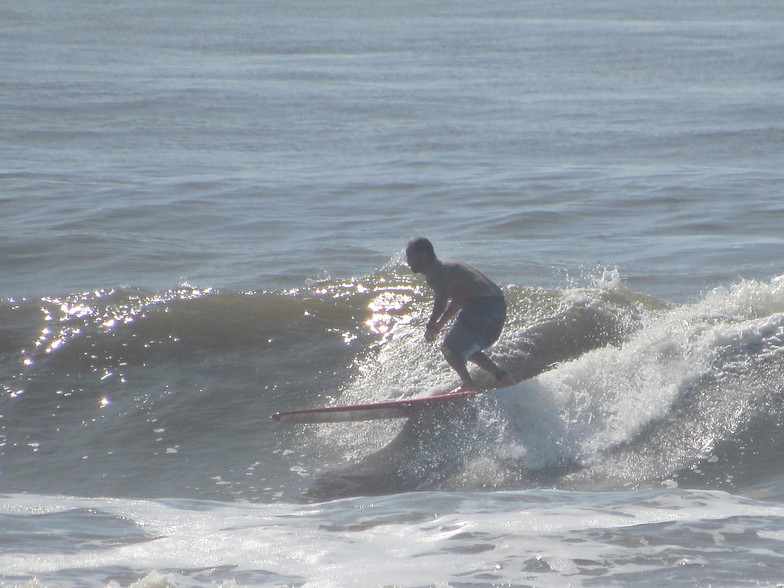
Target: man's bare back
column 459, row 281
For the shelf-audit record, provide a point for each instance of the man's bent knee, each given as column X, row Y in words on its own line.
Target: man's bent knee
column 446, row 351
column 452, row 356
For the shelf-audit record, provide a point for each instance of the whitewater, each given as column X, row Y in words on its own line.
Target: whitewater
column 204, row 208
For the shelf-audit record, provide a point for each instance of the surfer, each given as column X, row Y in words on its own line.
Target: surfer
column 459, row 287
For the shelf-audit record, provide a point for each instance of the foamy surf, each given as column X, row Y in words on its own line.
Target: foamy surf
column 544, row 538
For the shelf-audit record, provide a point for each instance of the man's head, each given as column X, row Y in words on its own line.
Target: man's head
column 420, row 255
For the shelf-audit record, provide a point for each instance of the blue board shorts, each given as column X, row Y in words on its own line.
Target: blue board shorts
column 478, row 326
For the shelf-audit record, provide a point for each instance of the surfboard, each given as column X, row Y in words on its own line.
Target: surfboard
column 390, row 409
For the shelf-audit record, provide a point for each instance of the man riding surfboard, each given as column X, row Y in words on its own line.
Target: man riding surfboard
column 458, row 287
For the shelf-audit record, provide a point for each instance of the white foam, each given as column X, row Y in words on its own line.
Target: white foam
column 412, row 539
column 582, row 409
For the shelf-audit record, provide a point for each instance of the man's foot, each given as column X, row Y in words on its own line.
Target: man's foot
column 466, row 387
column 504, row 379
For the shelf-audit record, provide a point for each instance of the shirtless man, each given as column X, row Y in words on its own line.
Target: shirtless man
column 459, row 287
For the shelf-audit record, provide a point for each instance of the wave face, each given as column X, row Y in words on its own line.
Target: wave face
column 131, row 393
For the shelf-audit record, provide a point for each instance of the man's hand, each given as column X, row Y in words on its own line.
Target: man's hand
column 431, row 331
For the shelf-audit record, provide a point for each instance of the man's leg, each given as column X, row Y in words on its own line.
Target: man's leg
column 456, row 362
column 487, row 364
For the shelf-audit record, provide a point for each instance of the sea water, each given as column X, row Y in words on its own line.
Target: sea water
column 204, row 207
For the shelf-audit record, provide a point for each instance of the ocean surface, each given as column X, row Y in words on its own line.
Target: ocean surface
column 204, row 207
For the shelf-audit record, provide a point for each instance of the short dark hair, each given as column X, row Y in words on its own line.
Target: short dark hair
column 421, row 244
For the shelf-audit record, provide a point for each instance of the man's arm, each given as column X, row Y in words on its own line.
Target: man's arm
column 439, row 319
column 436, row 322
column 452, row 287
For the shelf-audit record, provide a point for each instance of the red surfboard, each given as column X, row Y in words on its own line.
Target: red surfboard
column 391, row 409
